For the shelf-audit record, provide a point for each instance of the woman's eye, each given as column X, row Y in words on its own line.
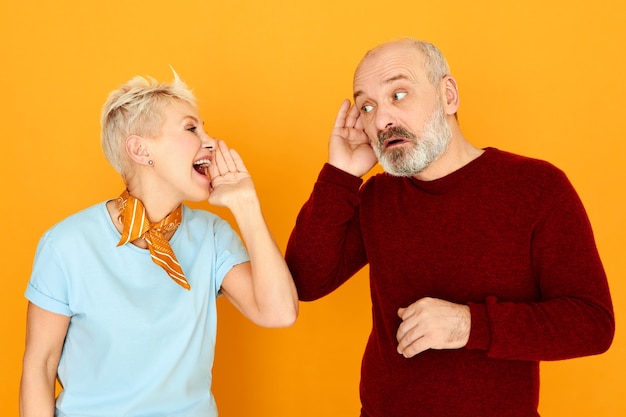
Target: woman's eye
column 192, row 129
column 367, row 108
column 399, row 96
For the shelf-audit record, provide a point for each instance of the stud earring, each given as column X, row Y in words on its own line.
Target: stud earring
column 150, row 162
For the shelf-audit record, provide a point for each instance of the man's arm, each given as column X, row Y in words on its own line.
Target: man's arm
column 325, row 247
column 574, row 316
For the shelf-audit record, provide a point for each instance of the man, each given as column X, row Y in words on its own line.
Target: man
column 482, row 263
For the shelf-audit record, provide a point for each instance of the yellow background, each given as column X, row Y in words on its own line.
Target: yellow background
column 544, row 78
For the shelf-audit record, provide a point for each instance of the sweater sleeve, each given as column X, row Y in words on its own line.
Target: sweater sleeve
column 574, row 315
column 325, row 247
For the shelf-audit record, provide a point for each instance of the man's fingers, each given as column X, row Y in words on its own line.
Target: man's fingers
column 416, row 347
column 340, row 121
column 409, row 325
column 432, row 324
column 359, row 122
column 352, row 117
column 409, row 336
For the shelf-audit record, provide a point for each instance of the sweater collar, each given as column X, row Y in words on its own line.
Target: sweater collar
column 454, row 179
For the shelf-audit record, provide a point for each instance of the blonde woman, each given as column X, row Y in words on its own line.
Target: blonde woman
column 122, row 297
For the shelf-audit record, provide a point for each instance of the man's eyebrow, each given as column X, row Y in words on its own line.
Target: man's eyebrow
column 386, row 81
column 396, row 78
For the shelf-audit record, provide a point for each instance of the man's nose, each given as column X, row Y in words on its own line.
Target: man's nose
column 384, row 118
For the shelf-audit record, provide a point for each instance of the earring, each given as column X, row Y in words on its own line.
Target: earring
column 150, row 162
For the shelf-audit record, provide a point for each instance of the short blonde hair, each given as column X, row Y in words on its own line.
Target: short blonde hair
column 136, row 108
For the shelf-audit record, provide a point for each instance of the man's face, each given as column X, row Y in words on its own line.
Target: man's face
column 400, row 110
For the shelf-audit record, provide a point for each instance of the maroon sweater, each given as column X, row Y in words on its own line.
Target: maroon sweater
column 506, row 235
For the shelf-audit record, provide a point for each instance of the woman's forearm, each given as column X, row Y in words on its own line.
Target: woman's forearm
column 272, row 285
column 37, row 390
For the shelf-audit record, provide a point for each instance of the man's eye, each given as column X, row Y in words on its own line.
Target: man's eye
column 399, row 96
column 367, row 108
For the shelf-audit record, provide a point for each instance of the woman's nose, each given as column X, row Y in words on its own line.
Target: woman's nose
column 207, row 141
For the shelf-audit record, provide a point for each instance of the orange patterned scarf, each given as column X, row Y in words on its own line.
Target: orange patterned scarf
column 136, row 225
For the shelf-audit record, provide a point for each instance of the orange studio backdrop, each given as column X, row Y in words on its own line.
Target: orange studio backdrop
column 540, row 78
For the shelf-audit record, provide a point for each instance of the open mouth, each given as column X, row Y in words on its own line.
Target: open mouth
column 395, row 141
column 395, row 136
column 202, row 166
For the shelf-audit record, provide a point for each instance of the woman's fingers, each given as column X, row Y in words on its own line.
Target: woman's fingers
column 225, row 159
column 238, row 162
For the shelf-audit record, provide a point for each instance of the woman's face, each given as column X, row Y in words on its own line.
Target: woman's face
column 181, row 152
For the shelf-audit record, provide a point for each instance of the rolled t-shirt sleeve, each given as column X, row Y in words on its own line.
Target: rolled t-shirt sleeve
column 47, row 287
column 230, row 252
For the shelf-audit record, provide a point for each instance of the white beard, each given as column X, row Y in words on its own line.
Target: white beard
column 408, row 161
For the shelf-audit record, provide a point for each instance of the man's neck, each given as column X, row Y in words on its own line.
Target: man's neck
column 458, row 154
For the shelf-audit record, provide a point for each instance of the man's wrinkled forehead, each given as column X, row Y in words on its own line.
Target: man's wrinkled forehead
column 387, row 64
column 389, row 80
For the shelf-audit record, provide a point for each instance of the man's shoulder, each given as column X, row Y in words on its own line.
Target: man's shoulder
column 526, row 175
column 522, row 165
column 515, row 159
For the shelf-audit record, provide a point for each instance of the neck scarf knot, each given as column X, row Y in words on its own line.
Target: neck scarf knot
column 137, row 226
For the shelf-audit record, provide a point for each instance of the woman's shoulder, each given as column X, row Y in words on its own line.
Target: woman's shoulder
column 84, row 218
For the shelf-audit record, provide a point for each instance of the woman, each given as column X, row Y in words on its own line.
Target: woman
column 122, row 297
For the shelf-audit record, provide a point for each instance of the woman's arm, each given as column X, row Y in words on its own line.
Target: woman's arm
column 45, row 335
column 261, row 289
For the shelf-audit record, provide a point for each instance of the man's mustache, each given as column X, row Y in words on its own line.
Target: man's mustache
column 394, row 131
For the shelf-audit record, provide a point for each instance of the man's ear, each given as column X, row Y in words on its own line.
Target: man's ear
column 450, row 93
column 137, row 149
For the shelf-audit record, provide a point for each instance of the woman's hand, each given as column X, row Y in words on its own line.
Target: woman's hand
column 230, row 180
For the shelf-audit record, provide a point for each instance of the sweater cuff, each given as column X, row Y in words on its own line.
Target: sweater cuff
column 480, row 335
column 336, row 176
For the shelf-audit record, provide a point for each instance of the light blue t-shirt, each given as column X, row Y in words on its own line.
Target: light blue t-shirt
column 138, row 344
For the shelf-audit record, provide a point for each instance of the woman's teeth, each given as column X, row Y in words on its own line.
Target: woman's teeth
column 202, row 166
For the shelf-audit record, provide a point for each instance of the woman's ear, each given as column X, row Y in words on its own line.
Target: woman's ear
column 451, row 94
column 137, row 150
